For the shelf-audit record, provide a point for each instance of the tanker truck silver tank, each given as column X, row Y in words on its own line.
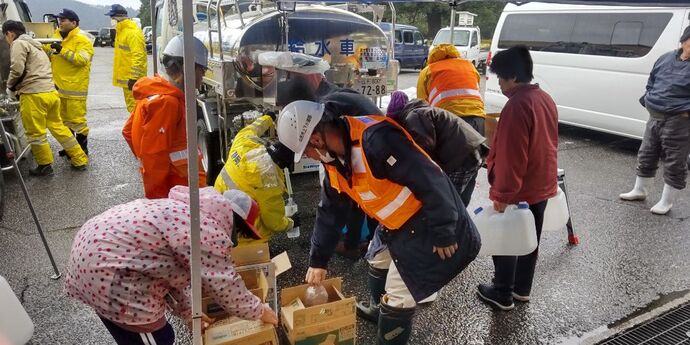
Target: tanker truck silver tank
column 356, row 48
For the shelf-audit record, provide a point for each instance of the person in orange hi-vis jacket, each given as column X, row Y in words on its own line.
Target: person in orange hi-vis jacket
column 156, row 129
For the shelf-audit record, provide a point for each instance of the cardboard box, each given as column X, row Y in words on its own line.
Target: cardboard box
column 258, row 271
column 236, row 331
column 490, row 124
column 255, row 281
column 332, row 323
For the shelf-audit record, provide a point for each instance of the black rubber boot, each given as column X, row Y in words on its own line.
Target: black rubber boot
column 41, row 170
column 369, row 310
column 395, row 325
column 63, row 153
column 83, row 142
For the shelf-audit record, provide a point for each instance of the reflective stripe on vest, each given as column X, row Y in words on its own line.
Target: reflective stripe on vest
column 229, row 183
column 452, row 79
column 442, row 96
column 123, row 47
column 178, row 155
column 386, row 201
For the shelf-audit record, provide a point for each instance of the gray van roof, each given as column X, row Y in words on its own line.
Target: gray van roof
column 387, row 26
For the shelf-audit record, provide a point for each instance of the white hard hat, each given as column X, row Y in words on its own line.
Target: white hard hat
column 174, row 48
column 296, row 123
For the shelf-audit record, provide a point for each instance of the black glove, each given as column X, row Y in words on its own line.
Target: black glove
column 130, row 83
column 295, row 219
column 56, row 47
column 282, row 156
column 272, row 114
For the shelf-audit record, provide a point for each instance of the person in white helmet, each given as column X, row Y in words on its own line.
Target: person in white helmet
column 156, row 130
column 425, row 237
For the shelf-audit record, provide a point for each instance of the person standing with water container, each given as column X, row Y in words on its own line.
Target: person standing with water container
column 521, row 166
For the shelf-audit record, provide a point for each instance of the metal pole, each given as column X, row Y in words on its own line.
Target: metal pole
column 452, row 21
column 393, row 19
column 193, row 167
column 154, row 37
column 10, row 155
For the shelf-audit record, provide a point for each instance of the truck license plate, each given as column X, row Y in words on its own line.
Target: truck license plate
column 369, row 86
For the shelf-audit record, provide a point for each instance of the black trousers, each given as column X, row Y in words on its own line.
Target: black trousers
column 515, row 273
column 163, row 336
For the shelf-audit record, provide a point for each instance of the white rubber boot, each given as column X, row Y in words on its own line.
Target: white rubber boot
column 668, row 197
column 640, row 190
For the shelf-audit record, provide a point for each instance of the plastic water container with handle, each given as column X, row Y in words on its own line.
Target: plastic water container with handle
column 15, row 323
column 509, row 233
column 556, row 214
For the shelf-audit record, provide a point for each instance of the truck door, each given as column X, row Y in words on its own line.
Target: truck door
column 419, row 53
column 408, row 49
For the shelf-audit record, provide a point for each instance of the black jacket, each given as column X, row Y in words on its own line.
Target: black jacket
column 445, row 137
column 442, row 221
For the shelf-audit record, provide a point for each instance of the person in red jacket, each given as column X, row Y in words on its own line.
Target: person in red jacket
column 156, row 130
column 522, row 166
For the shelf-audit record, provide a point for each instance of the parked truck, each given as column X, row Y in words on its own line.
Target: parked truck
column 237, row 88
column 466, row 38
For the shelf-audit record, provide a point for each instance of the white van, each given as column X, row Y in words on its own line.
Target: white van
column 593, row 60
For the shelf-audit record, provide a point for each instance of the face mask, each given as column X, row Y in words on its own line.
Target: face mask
column 113, row 22
column 327, row 158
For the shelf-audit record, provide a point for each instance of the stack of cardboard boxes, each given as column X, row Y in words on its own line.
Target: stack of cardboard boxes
column 331, row 323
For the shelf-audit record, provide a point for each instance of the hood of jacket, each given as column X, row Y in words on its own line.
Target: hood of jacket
column 442, row 52
column 156, row 85
column 126, row 25
column 211, row 204
column 33, row 42
column 412, row 105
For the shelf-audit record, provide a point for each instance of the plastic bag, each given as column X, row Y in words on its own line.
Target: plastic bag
column 315, row 295
column 267, row 169
column 294, row 62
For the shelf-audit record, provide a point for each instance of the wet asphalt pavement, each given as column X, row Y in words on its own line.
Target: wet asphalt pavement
column 627, row 256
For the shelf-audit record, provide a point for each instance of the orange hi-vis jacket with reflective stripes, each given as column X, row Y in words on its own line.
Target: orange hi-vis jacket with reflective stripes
column 157, row 134
column 452, row 79
column 386, row 201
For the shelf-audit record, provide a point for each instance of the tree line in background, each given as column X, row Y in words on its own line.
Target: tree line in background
column 428, row 17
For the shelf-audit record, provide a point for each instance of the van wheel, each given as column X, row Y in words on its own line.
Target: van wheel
column 209, row 143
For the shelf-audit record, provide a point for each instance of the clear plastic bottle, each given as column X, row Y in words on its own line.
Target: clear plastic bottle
column 290, row 210
column 315, row 295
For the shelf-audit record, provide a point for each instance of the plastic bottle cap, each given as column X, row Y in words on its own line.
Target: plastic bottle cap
column 479, row 209
column 523, row 205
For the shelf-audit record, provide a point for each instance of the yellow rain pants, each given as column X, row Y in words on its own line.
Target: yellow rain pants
column 40, row 111
column 73, row 114
column 129, row 99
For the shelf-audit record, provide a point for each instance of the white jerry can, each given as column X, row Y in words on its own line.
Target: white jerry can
column 15, row 323
column 556, row 214
column 512, row 232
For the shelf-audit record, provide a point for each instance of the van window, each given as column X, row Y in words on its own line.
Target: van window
column 407, row 37
column 398, row 36
column 474, row 39
column 608, row 34
column 418, row 39
column 461, row 38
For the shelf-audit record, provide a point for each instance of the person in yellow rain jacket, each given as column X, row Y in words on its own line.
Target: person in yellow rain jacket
column 71, row 61
column 130, row 62
column 451, row 83
column 32, row 81
column 255, row 166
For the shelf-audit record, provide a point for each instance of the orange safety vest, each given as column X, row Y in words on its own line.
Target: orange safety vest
column 384, row 200
column 452, row 79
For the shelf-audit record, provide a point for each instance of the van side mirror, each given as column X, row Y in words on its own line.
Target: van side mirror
column 49, row 18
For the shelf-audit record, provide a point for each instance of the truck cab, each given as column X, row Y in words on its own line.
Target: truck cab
column 467, row 38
